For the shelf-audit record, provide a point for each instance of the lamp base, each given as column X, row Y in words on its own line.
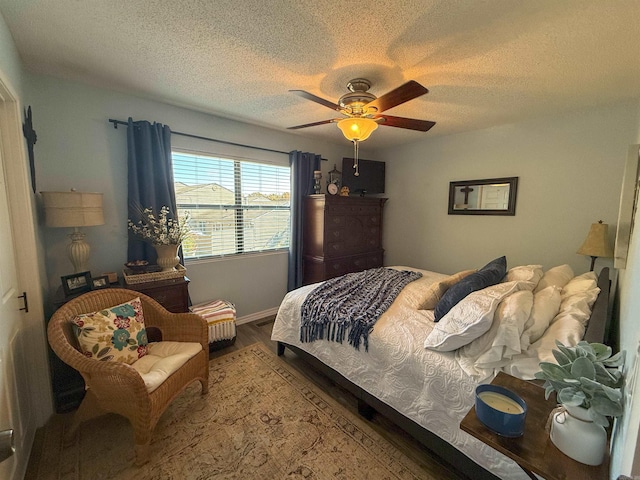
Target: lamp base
column 78, row 251
column 593, row 262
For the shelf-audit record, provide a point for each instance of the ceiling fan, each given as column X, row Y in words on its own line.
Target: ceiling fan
column 360, row 104
column 363, row 110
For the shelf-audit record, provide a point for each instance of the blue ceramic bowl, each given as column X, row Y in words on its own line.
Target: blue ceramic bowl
column 500, row 410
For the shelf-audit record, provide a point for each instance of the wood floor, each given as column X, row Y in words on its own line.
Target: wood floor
column 260, row 331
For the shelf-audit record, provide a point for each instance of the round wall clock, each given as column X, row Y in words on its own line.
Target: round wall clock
column 332, row 188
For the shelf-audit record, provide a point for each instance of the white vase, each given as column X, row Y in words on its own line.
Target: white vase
column 577, row 436
column 167, row 256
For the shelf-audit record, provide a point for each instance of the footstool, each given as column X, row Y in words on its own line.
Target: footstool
column 220, row 316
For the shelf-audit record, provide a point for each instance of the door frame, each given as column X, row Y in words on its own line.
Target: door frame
column 29, row 255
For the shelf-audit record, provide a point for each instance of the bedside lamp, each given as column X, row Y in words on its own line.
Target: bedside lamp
column 597, row 243
column 74, row 209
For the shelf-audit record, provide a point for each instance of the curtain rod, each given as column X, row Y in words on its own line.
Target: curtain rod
column 122, row 122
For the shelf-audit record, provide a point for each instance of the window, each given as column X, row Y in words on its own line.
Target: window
column 235, row 206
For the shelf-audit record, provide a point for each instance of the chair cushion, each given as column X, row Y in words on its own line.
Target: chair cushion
column 114, row 333
column 162, row 359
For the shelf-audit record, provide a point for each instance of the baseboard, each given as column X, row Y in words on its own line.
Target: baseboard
column 256, row 316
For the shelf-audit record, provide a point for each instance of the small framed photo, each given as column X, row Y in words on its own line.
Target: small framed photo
column 100, row 282
column 76, row 283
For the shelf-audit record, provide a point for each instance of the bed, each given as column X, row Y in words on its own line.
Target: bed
column 428, row 392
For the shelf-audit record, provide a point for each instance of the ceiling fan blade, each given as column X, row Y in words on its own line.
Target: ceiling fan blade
column 409, row 123
column 315, row 98
column 313, row 124
column 403, row 93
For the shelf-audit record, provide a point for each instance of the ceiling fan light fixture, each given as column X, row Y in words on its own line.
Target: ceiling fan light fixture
column 357, row 128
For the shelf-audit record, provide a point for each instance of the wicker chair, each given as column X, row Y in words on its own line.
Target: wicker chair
column 115, row 386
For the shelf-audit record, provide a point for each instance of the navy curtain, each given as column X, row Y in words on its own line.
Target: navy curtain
column 302, row 166
column 150, row 179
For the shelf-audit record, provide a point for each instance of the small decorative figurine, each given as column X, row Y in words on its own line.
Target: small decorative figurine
column 344, row 191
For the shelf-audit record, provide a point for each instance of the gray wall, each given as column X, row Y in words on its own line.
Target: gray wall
column 10, row 65
column 78, row 148
column 570, row 170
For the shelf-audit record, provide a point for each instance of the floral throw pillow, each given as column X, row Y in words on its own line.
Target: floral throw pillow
column 113, row 334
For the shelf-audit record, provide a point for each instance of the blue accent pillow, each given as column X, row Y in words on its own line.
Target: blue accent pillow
column 488, row 275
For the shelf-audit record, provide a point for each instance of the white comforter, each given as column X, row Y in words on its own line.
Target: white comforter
column 428, row 387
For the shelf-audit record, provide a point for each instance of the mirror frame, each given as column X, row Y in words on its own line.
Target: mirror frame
column 511, row 208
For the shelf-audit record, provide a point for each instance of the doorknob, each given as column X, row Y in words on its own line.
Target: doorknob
column 7, row 447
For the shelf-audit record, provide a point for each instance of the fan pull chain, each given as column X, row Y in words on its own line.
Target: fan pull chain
column 356, row 150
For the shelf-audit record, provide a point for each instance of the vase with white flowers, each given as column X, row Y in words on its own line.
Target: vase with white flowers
column 588, row 383
column 163, row 232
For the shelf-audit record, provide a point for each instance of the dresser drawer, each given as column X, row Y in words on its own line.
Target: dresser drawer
column 171, row 294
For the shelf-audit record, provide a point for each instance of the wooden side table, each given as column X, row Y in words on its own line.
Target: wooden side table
column 534, row 451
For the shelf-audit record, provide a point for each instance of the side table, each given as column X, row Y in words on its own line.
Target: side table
column 533, row 451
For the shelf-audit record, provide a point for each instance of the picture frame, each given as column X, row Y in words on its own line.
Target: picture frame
column 488, row 196
column 76, row 283
column 100, row 282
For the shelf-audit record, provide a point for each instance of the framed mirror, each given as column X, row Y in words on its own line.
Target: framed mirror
column 490, row 196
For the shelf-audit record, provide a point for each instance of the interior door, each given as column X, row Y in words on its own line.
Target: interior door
column 12, row 366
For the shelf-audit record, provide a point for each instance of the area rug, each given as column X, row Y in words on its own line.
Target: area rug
column 260, row 420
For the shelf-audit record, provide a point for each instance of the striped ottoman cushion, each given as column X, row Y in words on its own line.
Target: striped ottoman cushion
column 221, row 319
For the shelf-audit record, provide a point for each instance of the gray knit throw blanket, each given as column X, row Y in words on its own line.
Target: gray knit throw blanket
column 351, row 305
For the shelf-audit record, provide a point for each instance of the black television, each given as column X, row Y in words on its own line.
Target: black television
column 370, row 180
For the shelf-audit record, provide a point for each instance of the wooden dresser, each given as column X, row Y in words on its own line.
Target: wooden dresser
column 341, row 235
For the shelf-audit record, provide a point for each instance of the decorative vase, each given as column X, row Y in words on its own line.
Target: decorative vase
column 167, row 256
column 577, row 436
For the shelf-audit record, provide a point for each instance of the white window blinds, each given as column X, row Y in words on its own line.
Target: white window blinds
column 235, row 206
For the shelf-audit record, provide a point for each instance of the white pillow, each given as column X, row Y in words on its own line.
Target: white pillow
column 578, row 296
column 469, row 318
column 581, row 283
column 511, row 316
column 546, row 304
column 525, row 273
column 567, row 330
column 578, row 305
column 558, row 276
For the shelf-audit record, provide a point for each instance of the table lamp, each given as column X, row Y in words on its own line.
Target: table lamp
column 597, row 243
column 74, row 209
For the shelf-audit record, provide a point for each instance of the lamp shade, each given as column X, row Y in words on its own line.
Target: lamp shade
column 357, row 128
column 72, row 209
column 597, row 242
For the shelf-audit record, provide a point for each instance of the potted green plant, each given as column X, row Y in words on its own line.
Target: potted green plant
column 588, row 383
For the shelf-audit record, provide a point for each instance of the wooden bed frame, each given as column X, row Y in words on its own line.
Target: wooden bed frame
column 368, row 405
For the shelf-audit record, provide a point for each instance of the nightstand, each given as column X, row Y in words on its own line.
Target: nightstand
column 534, row 451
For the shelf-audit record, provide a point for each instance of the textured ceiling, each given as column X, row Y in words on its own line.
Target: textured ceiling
column 485, row 62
